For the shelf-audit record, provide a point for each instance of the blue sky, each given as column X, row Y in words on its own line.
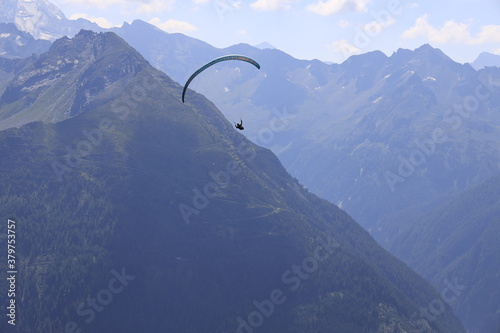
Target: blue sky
column 329, row 30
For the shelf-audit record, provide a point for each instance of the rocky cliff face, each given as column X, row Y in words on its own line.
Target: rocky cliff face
column 72, row 77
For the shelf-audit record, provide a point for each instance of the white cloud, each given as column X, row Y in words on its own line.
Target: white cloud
column 100, row 21
column 101, row 4
column 201, row 1
column 270, row 5
column 344, row 47
column 452, row 32
column 374, row 27
column 497, row 51
column 330, row 7
column 155, row 6
column 242, row 32
column 488, row 34
column 172, row 25
column 141, row 6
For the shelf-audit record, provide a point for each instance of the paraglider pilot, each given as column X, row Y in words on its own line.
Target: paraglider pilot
column 240, row 125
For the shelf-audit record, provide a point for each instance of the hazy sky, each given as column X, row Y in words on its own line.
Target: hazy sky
column 329, row 30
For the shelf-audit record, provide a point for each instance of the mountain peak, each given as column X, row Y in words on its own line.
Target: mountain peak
column 101, row 63
column 143, row 26
column 423, row 53
column 486, row 59
column 42, row 19
column 139, row 22
column 79, row 46
column 365, row 60
column 429, row 50
column 426, row 47
column 86, row 33
column 264, row 45
column 426, row 61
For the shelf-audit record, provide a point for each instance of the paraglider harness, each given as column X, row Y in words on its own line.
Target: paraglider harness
column 240, row 125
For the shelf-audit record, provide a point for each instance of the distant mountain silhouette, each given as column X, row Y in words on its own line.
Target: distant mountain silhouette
column 486, row 59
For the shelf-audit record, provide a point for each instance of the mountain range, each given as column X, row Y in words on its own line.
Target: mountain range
column 417, row 134
column 401, row 141
column 137, row 212
column 408, row 140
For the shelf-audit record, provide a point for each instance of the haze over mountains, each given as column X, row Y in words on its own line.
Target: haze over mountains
column 402, row 143
column 105, row 195
column 403, row 139
column 462, row 236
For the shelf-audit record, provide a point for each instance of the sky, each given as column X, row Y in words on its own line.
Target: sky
column 328, row 30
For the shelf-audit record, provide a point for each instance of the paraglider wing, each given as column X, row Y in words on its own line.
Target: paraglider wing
column 213, row 62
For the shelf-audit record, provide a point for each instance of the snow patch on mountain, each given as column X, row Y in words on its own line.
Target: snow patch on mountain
column 42, row 19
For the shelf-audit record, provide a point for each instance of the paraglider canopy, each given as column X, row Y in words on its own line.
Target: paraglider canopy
column 213, row 62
